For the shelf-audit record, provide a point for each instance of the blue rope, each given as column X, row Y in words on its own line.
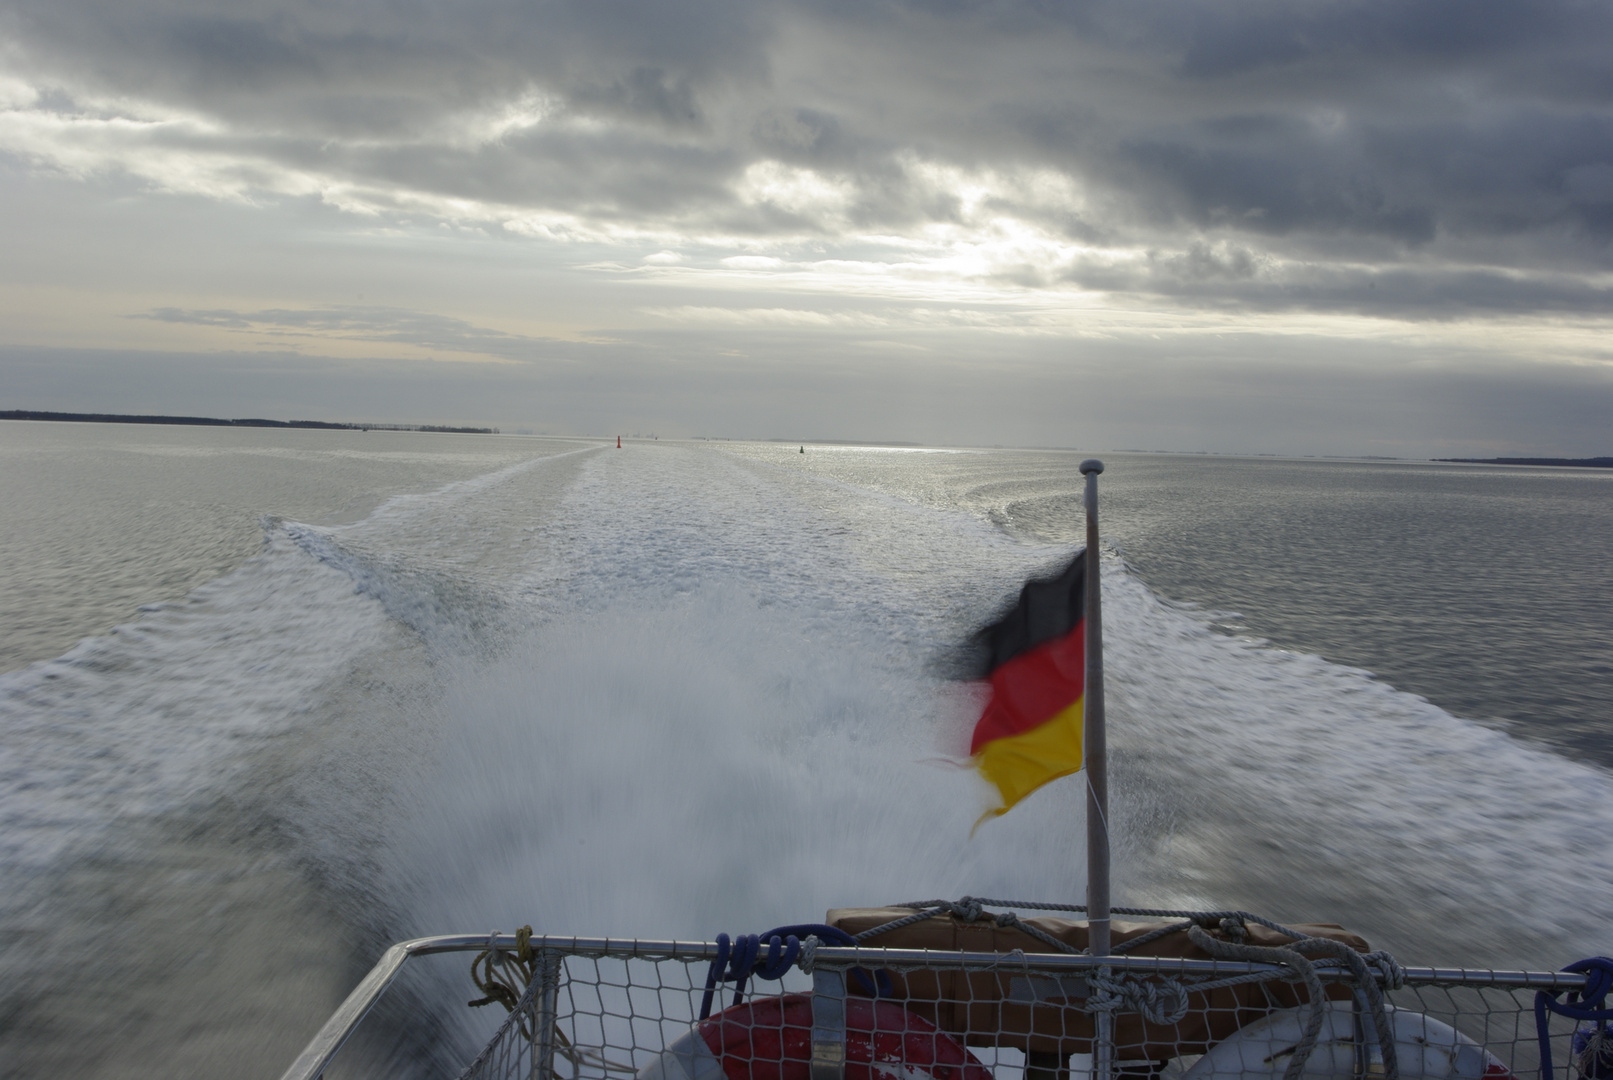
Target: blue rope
column 737, row 960
column 1586, row 1004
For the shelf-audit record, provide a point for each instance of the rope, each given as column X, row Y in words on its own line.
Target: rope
column 740, row 958
column 1586, row 1004
column 498, row 986
column 522, row 1003
column 972, row 909
column 1593, row 1052
column 1164, row 1001
column 1292, row 957
column 1230, row 950
column 497, row 983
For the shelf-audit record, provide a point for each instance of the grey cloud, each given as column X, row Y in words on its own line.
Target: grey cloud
column 1409, row 134
column 293, row 59
column 647, row 94
column 229, row 320
column 1592, row 184
column 1279, row 191
column 1230, row 277
column 1202, row 262
column 1225, row 41
column 381, row 325
column 804, row 136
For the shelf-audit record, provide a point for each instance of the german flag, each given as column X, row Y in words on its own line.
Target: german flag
column 1035, row 660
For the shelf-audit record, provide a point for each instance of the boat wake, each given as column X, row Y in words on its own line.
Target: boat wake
column 668, row 692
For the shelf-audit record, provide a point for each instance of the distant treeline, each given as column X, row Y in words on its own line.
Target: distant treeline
column 212, row 421
column 1576, row 462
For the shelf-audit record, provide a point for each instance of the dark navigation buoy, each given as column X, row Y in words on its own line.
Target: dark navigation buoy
column 803, row 449
column 618, row 442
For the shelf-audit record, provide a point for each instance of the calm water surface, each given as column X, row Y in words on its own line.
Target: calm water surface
column 102, row 518
column 1487, row 590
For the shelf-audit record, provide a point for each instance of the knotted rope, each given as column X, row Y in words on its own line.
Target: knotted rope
column 511, row 981
column 492, row 971
column 740, row 958
column 1160, row 1002
column 518, row 1016
column 1586, row 1004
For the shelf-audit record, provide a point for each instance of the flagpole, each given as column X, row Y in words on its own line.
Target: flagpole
column 1097, row 770
column 1097, row 759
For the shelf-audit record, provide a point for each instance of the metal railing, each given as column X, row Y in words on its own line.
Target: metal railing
column 829, row 969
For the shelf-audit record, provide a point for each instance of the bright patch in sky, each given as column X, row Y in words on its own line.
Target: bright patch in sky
column 1175, row 192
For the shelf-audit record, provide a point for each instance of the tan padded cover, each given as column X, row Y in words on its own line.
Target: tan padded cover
column 980, row 1006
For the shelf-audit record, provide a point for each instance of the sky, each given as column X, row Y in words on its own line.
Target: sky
column 1310, row 226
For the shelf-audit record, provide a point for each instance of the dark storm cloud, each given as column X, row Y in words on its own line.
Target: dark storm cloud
column 1257, row 35
column 1235, row 277
column 358, row 67
column 1460, row 151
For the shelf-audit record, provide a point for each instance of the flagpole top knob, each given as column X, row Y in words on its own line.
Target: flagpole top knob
column 1091, row 465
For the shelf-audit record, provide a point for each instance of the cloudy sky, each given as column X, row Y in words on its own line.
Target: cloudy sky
column 1309, row 226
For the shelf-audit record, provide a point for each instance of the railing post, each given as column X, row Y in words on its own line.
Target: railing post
column 1368, row 1052
column 547, row 973
column 1103, row 1042
column 828, row 1024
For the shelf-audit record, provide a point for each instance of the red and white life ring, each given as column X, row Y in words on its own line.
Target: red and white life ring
column 1425, row 1049
column 771, row 1039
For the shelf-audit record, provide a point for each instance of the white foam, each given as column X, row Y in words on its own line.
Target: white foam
column 726, row 716
column 145, row 719
column 697, row 766
column 1254, row 775
column 162, row 712
column 1316, row 789
column 737, row 660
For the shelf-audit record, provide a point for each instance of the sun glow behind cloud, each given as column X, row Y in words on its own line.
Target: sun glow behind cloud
column 994, row 236
column 728, row 179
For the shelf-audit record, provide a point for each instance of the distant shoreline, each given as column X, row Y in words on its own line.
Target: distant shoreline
column 211, row 421
column 1580, row 463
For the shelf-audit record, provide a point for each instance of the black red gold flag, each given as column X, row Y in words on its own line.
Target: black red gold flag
column 1035, row 659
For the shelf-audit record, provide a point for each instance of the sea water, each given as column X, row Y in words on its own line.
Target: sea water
column 393, row 685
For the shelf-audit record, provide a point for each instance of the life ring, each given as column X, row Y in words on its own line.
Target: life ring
column 770, row 1038
column 1425, row 1049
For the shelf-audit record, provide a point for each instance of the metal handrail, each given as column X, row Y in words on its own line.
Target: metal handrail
column 320, row 1051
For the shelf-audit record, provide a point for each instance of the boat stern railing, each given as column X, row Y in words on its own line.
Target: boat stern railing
column 603, row 1008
